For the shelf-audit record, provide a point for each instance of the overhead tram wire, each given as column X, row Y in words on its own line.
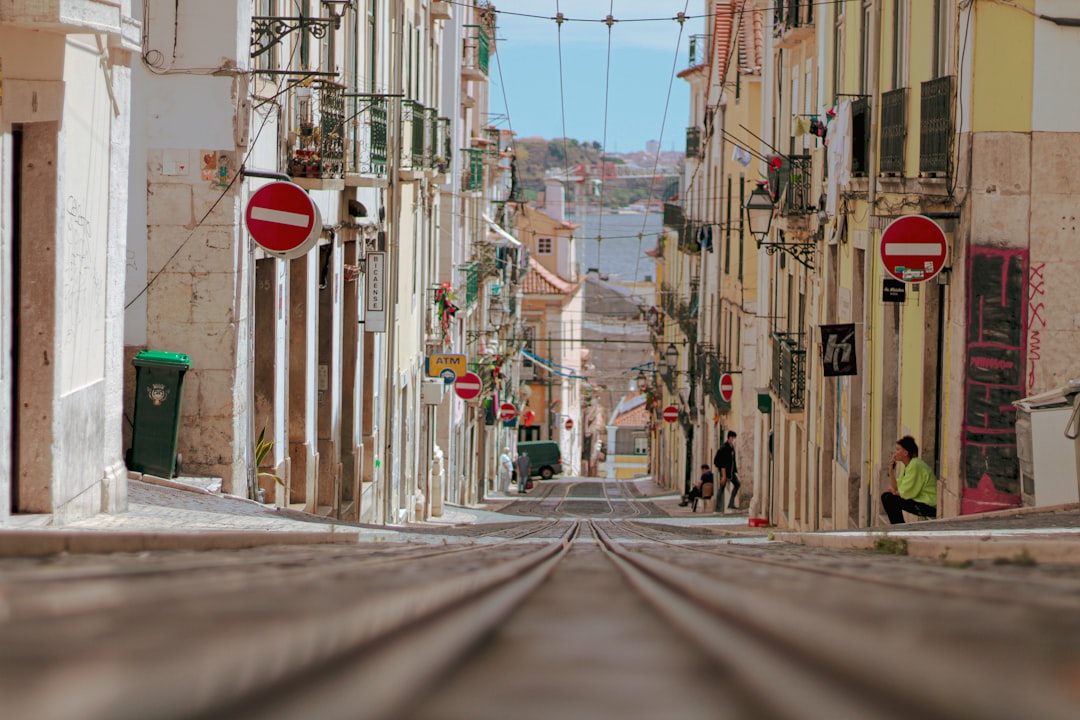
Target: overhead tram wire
column 603, row 142
column 562, row 101
column 660, row 142
column 780, row 5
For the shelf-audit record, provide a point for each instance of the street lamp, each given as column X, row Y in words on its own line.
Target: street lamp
column 337, row 9
column 759, row 211
column 496, row 313
column 671, row 357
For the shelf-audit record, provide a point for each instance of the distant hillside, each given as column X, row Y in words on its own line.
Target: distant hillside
column 536, row 156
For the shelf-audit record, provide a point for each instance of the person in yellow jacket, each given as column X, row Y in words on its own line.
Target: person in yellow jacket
column 915, row 489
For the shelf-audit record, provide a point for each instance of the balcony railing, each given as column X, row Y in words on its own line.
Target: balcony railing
column 417, row 127
column 789, row 370
column 693, row 142
column 367, row 136
column 893, row 131
column 444, row 154
column 471, row 282
column 793, row 21
column 935, row 135
column 699, row 49
column 796, row 186
column 476, row 53
column 473, row 175
column 318, row 147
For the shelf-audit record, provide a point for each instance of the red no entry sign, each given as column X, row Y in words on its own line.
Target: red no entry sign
column 468, row 386
column 727, row 387
column 507, row 412
column 913, row 248
column 569, row 424
column 671, row 413
column 283, row 219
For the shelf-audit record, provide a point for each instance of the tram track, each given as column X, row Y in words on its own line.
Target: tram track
column 960, row 583
column 791, row 657
column 333, row 633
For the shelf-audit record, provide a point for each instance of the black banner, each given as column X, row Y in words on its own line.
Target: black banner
column 838, row 350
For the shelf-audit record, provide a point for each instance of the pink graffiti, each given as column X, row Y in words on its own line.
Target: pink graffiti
column 985, row 363
column 1036, row 320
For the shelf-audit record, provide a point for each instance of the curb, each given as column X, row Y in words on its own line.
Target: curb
column 1048, row 548
column 22, row 543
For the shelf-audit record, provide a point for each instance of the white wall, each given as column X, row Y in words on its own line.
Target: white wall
column 1056, row 101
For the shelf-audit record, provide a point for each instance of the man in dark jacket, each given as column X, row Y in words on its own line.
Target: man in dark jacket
column 729, row 472
column 524, row 470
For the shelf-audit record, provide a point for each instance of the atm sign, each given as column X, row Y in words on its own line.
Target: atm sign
column 437, row 365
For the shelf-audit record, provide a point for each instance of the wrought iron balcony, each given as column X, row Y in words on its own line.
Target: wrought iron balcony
column 418, row 128
column 318, row 144
column 699, row 49
column 473, row 176
column 793, row 21
column 444, row 154
column 367, row 133
column 792, row 183
column 476, row 53
column 893, row 131
column 936, row 130
column 693, row 142
column 471, row 282
column 789, row 370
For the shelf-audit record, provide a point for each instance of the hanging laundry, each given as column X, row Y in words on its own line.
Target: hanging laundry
column 742, row 156
column 802, row 126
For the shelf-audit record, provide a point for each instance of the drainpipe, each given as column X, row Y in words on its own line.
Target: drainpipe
column 873, row 162
column 393, row 221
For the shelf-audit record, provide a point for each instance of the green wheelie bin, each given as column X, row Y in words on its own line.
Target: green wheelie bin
column 159, row 380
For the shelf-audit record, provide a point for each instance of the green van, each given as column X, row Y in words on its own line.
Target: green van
column 545, row 458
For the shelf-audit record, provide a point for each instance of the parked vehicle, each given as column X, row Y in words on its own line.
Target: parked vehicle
column 544, row 456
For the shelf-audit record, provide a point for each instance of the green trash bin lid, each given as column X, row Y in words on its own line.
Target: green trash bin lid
column 161, row 358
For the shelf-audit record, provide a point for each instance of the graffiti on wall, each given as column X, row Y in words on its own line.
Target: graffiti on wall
column 997, row 323
column 1036, row 321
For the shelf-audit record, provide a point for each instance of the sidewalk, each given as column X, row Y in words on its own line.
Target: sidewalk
column 184, row 515
column 188, row 514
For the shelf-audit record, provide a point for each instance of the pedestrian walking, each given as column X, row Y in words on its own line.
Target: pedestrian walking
column 524, row 469
column 726, row 463
column 914, row 489
column 506, row 470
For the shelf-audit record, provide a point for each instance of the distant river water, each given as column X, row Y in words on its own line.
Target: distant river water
column 619, row 254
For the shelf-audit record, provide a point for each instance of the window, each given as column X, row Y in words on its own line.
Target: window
column 866, row 45
column 641, row 445
column 543, row 246
column 941, row 38
column 838, row 50
column 901, row 12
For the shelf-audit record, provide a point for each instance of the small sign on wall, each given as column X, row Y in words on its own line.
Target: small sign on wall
column 375, row 292
column 893, row 291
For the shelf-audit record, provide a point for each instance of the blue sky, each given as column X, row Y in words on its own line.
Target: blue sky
column 643, row 57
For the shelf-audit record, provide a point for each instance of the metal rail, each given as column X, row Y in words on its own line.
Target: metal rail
column 789, row 657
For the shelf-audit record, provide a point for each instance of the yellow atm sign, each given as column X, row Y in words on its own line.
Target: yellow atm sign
column 443, row 365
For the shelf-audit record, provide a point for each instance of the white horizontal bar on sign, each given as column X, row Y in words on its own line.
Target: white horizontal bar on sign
column 912, row 249
column 280, row 216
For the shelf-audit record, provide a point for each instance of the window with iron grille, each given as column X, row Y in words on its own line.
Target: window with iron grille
column 893, row 130
column 693, row 142
column 543, row 246
column 935, row 130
